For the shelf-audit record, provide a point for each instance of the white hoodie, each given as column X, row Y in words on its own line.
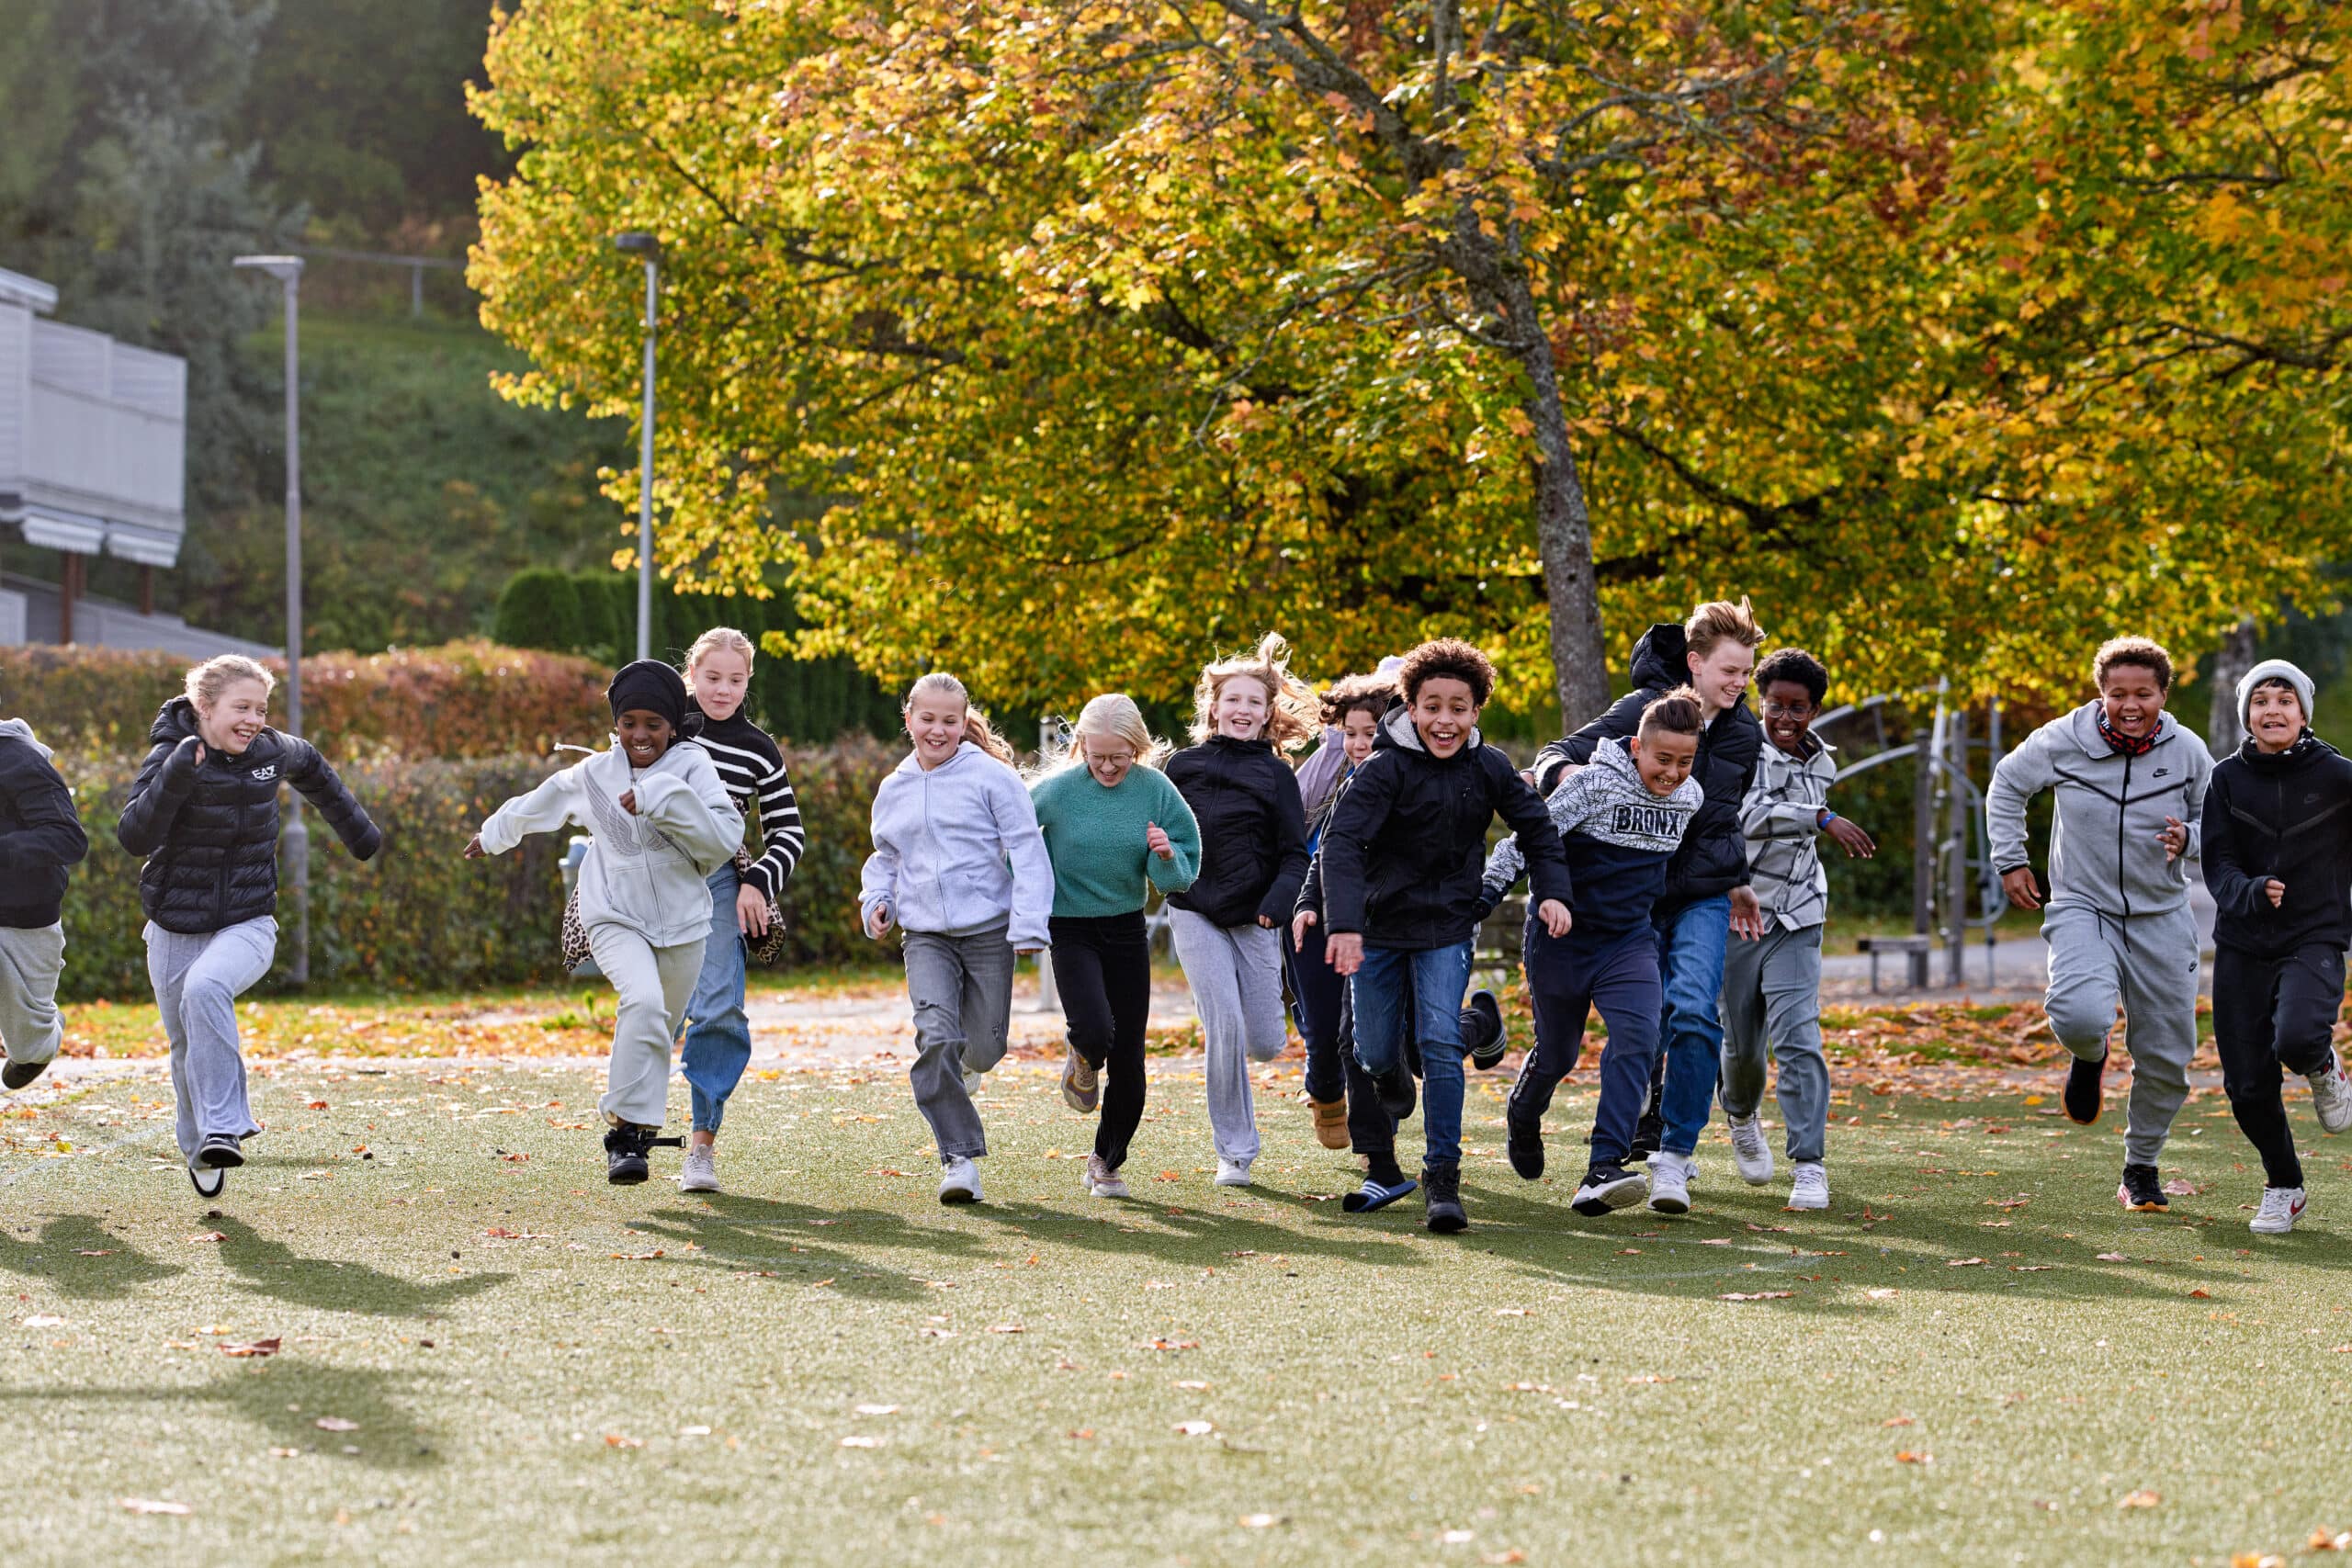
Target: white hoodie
column 645, row 872
column 958, row 849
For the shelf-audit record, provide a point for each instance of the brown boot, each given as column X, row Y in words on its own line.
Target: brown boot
column 1330, row 1123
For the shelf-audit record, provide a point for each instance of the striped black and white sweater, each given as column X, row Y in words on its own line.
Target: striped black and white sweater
column 752, row 769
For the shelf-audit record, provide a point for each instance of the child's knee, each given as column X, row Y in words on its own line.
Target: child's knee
column 2081, row 1020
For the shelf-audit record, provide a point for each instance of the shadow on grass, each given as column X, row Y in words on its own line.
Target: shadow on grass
column 286, row 1397
column 1207, row 1238
column 739, row 1232
column 274, row 1268
column 81, row 1259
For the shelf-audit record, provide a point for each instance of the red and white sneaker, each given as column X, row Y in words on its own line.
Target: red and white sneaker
column 2282, row 1207
column 2331, row 1096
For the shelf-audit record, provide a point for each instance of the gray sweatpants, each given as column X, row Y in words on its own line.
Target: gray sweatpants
column 651, row 985
column 198, row 980
column 1772, row 997
column 31, row 960
column 2149, row 964
column 1236, row 973
column 961, row 986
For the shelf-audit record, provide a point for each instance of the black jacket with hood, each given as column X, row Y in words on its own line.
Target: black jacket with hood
column 1253, row 830
column 209, row 829
column 40, row 835
column 1401, row 860
column 2287, row 816
column 1713, row 856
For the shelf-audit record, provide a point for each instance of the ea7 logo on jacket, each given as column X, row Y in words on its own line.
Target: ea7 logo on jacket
column 265, row 775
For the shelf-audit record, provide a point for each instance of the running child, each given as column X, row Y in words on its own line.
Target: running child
column 959, row 867
column 2278, row 861
column 203, row 812
column 1618, row 823
column 744, row 890
column 1772, row 987
column 1228, row 925
column 1114, row 826
column 40, row 841
column 661, row 823
column 2130, row 784
column 1402, row 860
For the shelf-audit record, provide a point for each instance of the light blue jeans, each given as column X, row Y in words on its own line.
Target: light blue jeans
column 1432, row 981
column 1691, row 943
column 719, row 1037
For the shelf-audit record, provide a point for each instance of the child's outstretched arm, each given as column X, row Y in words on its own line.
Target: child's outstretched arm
column 1174, row 872
column 307, row 771
column 693, row 810
column 2022, row 775
column 553, row 805
column 165, row 780
column 1025, row 850
column 1538, row 835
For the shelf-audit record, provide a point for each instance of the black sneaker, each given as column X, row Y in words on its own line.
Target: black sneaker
column 219, row 1152
column 1395, row 1089
column 1524, row 1128
column 2141, row 1189
column 17, row 1075
column 625, row 1150
column 1488, row 1047
column 2084, row 1090
column 1442, row 1190
column 1607, row 1188
column 1649, row 1136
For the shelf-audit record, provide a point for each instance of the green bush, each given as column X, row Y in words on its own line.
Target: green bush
column 602, row 633
column 420, row 916
column 540, row 608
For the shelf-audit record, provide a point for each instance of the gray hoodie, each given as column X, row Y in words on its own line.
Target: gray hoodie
column 2104, row 854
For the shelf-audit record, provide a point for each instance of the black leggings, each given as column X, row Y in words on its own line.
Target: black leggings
column 1102, row 969
column 2269, row 1014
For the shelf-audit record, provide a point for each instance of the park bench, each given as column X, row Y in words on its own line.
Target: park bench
column 1914, row 948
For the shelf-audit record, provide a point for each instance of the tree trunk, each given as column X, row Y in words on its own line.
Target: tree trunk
column 1562, row 524
column 2224, row 732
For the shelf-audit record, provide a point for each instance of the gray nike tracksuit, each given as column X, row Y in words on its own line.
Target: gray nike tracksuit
column 2117, row 923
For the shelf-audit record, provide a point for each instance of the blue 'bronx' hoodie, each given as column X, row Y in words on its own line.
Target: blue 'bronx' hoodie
column 1618, row 837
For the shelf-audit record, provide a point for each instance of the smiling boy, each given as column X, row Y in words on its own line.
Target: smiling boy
column 1401, row 864
column 2130, row 784
column 2278, row 861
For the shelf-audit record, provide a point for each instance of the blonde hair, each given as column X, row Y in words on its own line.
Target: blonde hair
column 1291, row 703
column 1719, row 620
column 719, row 640
column 977, row 728
column 1110, row 717
column 206, row 681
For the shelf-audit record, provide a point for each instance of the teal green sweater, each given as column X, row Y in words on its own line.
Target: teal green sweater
column 1095, row 837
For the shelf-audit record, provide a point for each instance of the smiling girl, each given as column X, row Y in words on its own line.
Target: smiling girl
column 959, row 867
column 1114, row 826
column 661, row 823
column 745, row 891
column 204, row 813
column 1228, row 924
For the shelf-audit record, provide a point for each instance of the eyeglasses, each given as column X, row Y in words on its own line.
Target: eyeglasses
column 1111, row 759
column 1787, row 710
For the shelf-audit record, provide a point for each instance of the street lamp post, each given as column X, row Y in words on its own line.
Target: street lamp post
column 287, row 270
column 647, row 247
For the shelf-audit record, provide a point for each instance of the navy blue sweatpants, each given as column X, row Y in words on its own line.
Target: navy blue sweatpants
column 1567, row 979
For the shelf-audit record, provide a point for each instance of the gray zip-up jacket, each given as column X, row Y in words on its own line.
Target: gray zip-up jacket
column 1782, row 818
column 2104, row 854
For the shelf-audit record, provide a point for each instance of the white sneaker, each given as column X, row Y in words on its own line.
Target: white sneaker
column 1811, row 1188
column 1232, row 1172
column 2331, row 1096
column 1749, row 1152
column 1670, row 1183
column 2282, row 1207
column 701, row 1171
column 1099, row 1180
column 959, row 1181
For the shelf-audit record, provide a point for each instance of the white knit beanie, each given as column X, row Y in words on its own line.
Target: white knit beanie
column 2273, row 670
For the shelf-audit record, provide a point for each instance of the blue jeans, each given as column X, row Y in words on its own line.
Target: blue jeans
column 718, row 1038
column 1425, row 985
column 1691, row 944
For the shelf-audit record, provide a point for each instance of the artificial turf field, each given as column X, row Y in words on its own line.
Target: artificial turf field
column 487, row 1354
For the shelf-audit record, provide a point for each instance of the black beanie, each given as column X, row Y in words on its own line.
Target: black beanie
column 652, row 686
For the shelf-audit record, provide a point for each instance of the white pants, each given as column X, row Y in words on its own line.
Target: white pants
column 197, row 978
column 1236, row 973
column 31, row 960
column 653, row 986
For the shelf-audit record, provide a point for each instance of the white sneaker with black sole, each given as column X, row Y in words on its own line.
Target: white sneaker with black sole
column 700, row 1173
column 1232, row 1172
column 2331, row 1096
column 1750, row 1153
column 2282, row 1207
column 959, row 1180
column 1099, row 1181
column 208, row 1181
column 1669, row 1183
column 1811, row 1188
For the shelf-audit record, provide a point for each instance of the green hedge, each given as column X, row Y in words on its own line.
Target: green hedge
column 540, row 608
column 420, row 916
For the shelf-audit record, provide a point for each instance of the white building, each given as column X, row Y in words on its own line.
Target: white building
column 93, row 459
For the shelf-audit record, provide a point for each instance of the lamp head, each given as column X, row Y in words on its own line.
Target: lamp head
column 638, row 242
column 286, row 269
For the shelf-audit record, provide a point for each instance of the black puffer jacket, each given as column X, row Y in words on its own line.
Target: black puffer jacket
column 1253, row 830
column 209, row 829
column 40, row 836
column 1401, row 860
column 2287, row 816
column 1713, row 856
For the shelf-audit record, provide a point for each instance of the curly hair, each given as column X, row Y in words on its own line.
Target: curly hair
column 1798, row 667
column 1358, row 694
column 2141, row 651
column 1447, row 659
column 1290, row 702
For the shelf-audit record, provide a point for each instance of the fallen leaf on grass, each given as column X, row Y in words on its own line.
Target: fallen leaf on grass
column 877, row 1409
column 2257, row 1559
column 1458, row 1538
column 638, row 1257
column 93, row 1252
column 2181, row 1187
column 1195, row 1385
column 1260, row 1521
column 314, row 1105
column 255, row 1347
column 207, row 1235
column 1510, row 1312
column 2201, row 1295
column 2032, row 1268
column 1008, row 1328
column 2139, row 1499
column 616, row 1440
column 1514, row 1555
column 1897, row 1421
column 500, row 1233
column 2323, row 1539
column 862, row 1442
column 1196, row 1428
column 2113, row 1258
column 1170, row 1345
column 336, row 1424
column 1754, row 1296
column 1964, row 1262
column 151, row 1505
column 44, row 1320
column 1881, row 1294
column 939, row 1334
column 1911, row 1456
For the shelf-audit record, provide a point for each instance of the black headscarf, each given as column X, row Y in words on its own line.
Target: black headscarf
column 652, row 686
